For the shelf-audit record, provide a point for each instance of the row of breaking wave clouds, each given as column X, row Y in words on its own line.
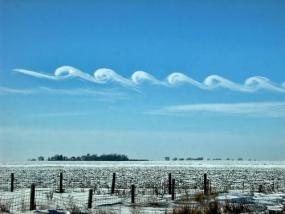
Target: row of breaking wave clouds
column 106, row 75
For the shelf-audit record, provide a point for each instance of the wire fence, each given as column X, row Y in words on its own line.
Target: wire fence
column 74, row 191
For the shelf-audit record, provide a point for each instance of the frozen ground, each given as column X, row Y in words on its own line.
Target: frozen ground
column 250, row 182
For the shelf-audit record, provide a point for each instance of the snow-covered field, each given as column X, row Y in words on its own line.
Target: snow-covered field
column 257, row 183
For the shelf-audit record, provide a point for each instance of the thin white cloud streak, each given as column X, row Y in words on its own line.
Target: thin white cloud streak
column 253, row 109
column 105, row 75
column 5, row 90
column 36, row 74
column 69, row 92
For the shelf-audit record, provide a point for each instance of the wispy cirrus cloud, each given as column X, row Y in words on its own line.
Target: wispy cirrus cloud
column 107, row 93
column 252, row 109
column 106, row 75
column 6, row 90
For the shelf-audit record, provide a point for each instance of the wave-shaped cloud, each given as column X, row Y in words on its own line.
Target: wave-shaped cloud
column 106, row 75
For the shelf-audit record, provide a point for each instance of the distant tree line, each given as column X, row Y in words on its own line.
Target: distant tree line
column 201, row 158
column 88, row 157
column 181, row 159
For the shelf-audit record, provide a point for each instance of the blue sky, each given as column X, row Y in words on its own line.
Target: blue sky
column 175, row 107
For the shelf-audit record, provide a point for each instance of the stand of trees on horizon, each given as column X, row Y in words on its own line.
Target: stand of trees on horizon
column 201, row 158
column 181, row 159
column 88, row 157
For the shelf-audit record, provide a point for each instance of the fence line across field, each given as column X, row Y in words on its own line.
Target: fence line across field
column 58, row 182
column 39, row 196
column 59, row 192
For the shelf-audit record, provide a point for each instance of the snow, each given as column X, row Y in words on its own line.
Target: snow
column 238, row 180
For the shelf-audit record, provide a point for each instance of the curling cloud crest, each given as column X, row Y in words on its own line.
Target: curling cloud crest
column 105, row 75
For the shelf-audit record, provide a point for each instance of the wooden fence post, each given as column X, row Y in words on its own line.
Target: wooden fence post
column 32, row 197
column 155, row 190
column 133, row 193
column 209, row 187
column 205, row 184
column 260, row 188
column 12, row 182
column 169, row 183
column 113, row 183
column 173, row 189
column 90, row 198
column 61, row 182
